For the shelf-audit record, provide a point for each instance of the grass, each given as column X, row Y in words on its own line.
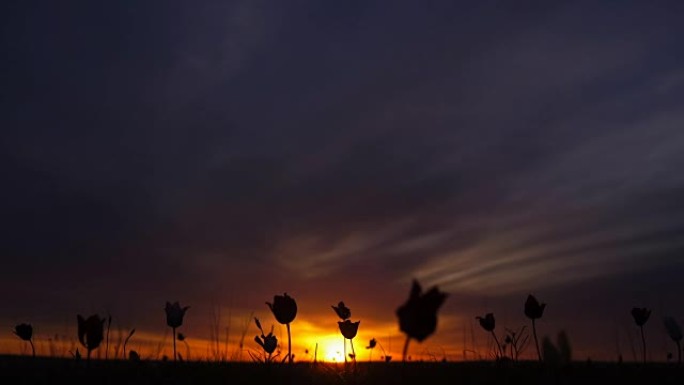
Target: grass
column 25, row 370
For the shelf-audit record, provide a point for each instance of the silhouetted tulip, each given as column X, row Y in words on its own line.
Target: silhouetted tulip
column 342, row 311
column 534, row 310
column 349, row 329
column 640, row 315
column 418, row 316
column 175, row 314
column 487, row 322
column 371, row 346
column 675, row 332
column 267, row 342
column 90, row 332
column 284, row 309
column 174, row 318
column 25, row 332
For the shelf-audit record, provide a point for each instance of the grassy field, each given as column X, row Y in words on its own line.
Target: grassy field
column 25, row 370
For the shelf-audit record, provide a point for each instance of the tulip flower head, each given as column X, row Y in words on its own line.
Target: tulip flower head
column 418, row 315
column 349, row 329
column 372, row 344
column 342, row 311
column 90, row 332
column 533, row 309
column 640, row 315
column 175, row 314
column 488, row 322
column 24, row 331
column 284, row 308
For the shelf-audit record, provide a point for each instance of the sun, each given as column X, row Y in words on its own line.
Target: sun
column 330, row 347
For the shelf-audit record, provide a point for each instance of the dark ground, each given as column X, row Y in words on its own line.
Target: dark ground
column 25, row 370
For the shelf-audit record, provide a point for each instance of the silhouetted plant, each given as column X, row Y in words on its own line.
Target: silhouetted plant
column 517, row 340
column 284, row 309
column 349, row 330
column 133, row 356
column 488, row 323
column 418, row 315
column 182, row 338
column 25, row 333
column 90, row 332
column 126, row 342
column 675, row 332
column 640, row 316
column 174, row 319
column 268, row 343
column 371, row 346
column 109, row 326
column 534, row 311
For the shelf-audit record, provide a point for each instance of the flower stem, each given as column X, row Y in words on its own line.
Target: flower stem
column 643, row 342
column 536, row 341
column 498, row 345
column 107, row 342
column 289, row 343
column 33, row 349
column 406, row 345
column 351, row 342
column 344, row 349
column 174, row 344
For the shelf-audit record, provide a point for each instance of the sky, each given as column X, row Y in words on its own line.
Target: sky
column 221, row 152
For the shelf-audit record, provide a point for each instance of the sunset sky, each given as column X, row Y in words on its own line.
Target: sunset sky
column 218, row 153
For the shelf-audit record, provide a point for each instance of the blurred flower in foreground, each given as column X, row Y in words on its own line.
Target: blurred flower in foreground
column 418, row 315
column 675, row 332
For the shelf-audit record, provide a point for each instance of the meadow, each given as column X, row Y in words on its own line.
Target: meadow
column 26, row 370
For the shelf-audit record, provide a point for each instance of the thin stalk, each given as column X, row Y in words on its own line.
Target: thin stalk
column 316, row 353
column 289, row 343
column 370, row 355
column 109, row 324
column 344, row 349
column 536, row 341
column 33, row 349
column 174, row 344
column 501, row 352
column 351, row 342
column 643, row 342
column 406, row 345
